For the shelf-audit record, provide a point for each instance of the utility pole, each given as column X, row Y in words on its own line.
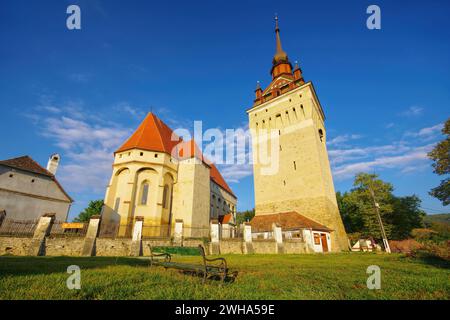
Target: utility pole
column 377, row 211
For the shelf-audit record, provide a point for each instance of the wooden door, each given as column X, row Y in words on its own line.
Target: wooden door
column 323, row 237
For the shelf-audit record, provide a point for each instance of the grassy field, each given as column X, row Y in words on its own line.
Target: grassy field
column 332, row 276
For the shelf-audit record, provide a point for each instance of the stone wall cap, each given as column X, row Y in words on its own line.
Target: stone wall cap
column 179, row 220
column 139, row 218
column 97, row 216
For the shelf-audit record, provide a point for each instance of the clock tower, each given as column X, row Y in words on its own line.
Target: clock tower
column 289, row 115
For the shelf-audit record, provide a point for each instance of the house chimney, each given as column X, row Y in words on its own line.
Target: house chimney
column 53, row 163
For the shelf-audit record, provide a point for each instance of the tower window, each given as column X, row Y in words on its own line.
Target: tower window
column 284, row 182
column 295, row 166
column 321, row 135
column 11, row 175
column 156, row 155
column 142, row 154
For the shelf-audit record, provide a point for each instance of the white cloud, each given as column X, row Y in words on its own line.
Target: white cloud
column 405, row 155
column 413, row 111
column 343, row 138
column 87, row 142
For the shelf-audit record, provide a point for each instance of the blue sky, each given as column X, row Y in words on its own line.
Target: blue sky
column 80, row 93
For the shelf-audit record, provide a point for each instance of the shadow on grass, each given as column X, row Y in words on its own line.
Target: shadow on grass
column 13, row 265
column 430, row 259
column 230, row 278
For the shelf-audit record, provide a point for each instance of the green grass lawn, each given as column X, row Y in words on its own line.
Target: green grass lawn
column 331, row 276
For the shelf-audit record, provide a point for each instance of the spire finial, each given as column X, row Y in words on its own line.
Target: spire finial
column 276, row 22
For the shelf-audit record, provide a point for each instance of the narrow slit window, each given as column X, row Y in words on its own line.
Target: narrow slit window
column 144, row 195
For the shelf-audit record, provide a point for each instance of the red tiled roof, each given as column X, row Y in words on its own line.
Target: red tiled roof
column 287, row 220
column 226, row 218
column 153, row 135
column 25, row 163
column 217, row 178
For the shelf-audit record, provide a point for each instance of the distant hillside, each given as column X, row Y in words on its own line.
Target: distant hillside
column 443, row 218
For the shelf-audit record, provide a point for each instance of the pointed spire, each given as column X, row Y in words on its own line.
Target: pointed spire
column 280, row 55
column 280, row 62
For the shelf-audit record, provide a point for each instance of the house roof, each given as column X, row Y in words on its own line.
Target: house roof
column 218, row 179
column 153, row 135
column 287, row 220
column 26, row 163
column 227, row 218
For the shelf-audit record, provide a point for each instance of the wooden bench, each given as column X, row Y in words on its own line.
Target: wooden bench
column 208, row 267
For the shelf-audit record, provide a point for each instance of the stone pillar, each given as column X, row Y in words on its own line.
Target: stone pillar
column 136, row 239
column 214, row 246
column 2, row 216
column 91, row 235
column 178, row 233
column 225, row 231
column 278, row 236
column 248, row 245
column 37, row 246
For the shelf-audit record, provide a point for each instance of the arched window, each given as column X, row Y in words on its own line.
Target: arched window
column 144, row 193
column 166, row 196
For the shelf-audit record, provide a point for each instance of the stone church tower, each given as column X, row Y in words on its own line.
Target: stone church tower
column 290, row 110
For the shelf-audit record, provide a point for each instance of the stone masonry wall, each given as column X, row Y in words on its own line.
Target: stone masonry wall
column 73, row 246
column 63, row 246
column 14, row 246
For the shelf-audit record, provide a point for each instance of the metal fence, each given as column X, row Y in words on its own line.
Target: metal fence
column 19, row 228
column 63, row 229
column 156, row 231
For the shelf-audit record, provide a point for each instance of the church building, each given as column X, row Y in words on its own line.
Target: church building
column 300, row 195
column 160, row 178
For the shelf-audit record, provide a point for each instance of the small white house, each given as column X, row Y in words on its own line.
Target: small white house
column 294, row 226
column 28, row 191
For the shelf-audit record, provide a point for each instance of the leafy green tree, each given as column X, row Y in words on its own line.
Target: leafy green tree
column 244, row 216
column 383, row 196
column 407, row 216
column 94, row 208
column 441, row 157
column 399, row 214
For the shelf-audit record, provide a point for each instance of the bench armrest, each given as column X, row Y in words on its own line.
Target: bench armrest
column 167, row 256
column 223, row 262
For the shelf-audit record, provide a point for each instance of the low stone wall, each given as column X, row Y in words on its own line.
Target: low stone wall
column 63, row 246
column 294, row 247
column 14, row 245
column 264, row 246
column 73, row 246
column 112, row 247
column 193, row 243
column 231, row 246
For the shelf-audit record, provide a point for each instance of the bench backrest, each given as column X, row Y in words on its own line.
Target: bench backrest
column 183, row 251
